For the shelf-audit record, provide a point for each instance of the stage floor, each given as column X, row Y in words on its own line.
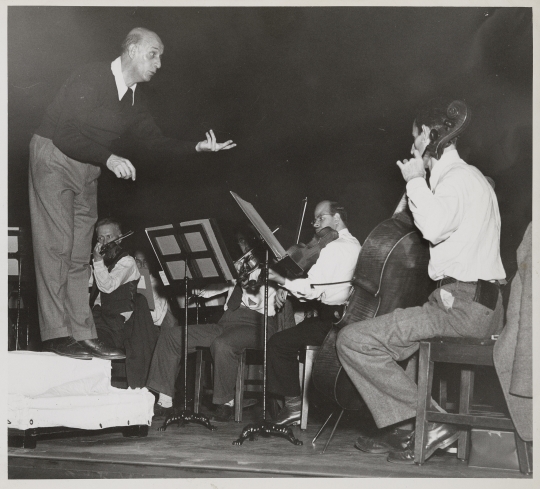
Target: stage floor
column 194, row 451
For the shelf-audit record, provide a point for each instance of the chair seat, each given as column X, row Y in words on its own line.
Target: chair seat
column 461, row 340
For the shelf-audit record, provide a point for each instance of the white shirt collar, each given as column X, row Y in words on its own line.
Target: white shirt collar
column 448, row 158
column 116, row 68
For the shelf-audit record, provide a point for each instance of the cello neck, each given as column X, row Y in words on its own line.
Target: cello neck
column 402, row 212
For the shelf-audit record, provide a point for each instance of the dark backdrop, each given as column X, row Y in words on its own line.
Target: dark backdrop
column 319, row 100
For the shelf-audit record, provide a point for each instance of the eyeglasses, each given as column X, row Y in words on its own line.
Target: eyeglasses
column 141, row 263
column 319, row 218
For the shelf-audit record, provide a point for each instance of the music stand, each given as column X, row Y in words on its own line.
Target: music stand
column 191, row 254
column 266, row 428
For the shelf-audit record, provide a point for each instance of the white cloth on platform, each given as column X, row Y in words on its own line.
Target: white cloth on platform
column 48, row 390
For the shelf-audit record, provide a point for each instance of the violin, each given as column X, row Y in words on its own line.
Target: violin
column 112, row 250
column 306, row 255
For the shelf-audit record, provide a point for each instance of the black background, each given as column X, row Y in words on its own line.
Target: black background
column 319, row 100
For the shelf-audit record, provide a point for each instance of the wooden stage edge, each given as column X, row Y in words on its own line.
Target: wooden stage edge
column 192, row 451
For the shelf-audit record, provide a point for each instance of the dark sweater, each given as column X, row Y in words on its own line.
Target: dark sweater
column 86, row 118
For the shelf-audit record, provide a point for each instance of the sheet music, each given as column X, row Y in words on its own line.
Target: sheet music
column 260, row 226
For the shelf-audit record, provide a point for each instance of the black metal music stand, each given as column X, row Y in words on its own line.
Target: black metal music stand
column 191, row 254
column 264, row 428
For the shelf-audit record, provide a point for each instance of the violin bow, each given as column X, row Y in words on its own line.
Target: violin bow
column 299, row 229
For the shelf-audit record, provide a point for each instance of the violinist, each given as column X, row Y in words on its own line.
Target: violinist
column 121, row 315
column 241, row 326
column 328, row 282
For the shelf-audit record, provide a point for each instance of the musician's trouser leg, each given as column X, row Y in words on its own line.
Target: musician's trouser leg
column 370, row 349
column 282, row 362
column 63, row 211
column 242, row 329
column 169, row 352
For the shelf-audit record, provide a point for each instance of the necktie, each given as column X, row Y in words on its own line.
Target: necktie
column 235, row 299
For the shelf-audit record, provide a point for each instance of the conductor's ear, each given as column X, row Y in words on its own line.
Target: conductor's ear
column 132, row 49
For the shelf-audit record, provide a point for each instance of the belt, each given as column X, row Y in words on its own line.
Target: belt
column 451, row 280
column 486, row 293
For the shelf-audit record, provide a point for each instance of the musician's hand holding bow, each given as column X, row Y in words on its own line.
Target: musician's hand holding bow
column 413, row 168
column 281, row 297
column 211, row 145
column 276, row 277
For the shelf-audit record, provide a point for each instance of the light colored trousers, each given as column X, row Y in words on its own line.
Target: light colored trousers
column 63, row 211
column 369, row 350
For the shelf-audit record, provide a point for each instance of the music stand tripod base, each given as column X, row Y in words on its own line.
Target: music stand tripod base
column 187, row 416
column 266, row 429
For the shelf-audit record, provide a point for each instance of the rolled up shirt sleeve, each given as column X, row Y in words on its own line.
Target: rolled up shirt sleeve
column 124, row 271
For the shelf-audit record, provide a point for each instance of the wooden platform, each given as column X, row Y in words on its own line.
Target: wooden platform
column 193, row 451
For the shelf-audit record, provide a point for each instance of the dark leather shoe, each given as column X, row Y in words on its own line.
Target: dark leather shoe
column 439, row 435
column 67, row 347
column 384, row 441
column 223, row 413
column 162, row 412
column 289, row 415
column 99, row 349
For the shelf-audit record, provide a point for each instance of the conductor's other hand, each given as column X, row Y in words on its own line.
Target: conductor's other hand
column 96, row 252
column 412, row 168
column 211, row 145
column 121, row 167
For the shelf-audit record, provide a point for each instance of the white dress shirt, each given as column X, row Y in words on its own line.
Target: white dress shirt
column 116, row 68
column 460, row 218
column 252, row 301
column 336, row 263
column 123, row 272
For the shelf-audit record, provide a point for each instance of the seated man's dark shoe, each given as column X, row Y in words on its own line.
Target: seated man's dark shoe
column 289, row 415
column 439, row 435
column 99, row 349
column 384, row 441
column 67, row 347
column 223, row 413
column 162, row 412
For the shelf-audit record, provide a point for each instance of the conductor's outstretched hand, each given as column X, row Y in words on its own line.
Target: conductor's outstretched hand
column 211, row 145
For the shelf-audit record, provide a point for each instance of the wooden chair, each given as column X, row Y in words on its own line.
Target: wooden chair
column 254, row 357
column 467, row 352
column 249, row 357
column 307, row 357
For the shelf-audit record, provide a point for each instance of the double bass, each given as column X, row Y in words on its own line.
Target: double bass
column 391, row 273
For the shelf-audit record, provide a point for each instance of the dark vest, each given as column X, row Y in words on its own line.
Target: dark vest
column 121, row 299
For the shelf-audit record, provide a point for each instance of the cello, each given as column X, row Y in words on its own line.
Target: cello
column 391, row 273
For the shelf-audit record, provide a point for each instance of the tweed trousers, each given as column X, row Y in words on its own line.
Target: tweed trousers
column 236, row 330
column 63, row 211
column 369, row 350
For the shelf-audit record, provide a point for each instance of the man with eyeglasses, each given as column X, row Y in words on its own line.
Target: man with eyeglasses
column 328, row 282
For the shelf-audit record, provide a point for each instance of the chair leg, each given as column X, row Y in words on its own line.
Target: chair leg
column 239, row 393
column 524, row 455
column 465, row 401
column 199, row 369
column 443, row 394
column 425, row 381
column 308, row 367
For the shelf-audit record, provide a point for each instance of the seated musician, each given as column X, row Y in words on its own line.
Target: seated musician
column 122, row 317
column 240, row 327
column 336, row 263
column 459, row 215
